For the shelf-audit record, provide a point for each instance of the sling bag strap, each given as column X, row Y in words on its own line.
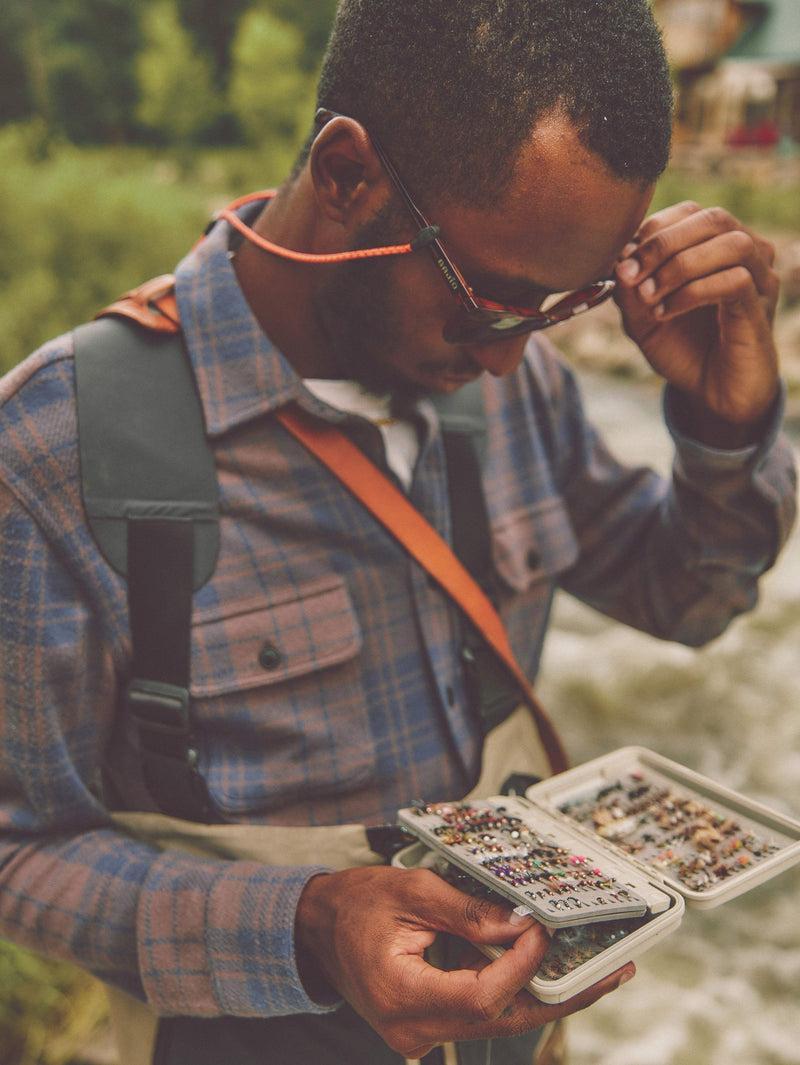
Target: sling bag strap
column 150, row 493
column 391, row 508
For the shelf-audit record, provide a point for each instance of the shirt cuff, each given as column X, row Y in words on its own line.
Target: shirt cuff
column 217, row 938
column 693, row 453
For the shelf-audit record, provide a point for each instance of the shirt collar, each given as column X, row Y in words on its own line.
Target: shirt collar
column 240, row 374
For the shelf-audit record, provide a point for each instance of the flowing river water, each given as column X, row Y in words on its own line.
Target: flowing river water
column 724, row 989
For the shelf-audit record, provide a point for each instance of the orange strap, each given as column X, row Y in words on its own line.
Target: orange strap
column 154, row 306
column 393, row 510
column 308, row 257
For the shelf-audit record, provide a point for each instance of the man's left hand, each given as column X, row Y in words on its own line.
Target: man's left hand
column 698, row 293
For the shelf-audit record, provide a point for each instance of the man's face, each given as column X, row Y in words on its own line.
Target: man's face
column 560, row 226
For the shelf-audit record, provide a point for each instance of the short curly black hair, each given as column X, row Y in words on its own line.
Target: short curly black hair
column 453, row 88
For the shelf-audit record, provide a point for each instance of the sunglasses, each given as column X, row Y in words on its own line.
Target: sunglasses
column 477, row 319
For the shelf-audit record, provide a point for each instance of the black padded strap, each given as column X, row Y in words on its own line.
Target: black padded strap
column 160, row 598
column 157, row 696
column 150, row 493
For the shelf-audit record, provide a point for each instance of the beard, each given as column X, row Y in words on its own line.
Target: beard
column 359, row 314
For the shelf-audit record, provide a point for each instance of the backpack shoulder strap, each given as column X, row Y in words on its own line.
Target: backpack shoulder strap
column 143, row 450
column 150, row 493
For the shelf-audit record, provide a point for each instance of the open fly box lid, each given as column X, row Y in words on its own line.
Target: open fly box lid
column 702, row 839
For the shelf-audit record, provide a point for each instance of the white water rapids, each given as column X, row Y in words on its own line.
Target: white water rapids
column 724, row 989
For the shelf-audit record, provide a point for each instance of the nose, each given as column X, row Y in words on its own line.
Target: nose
column 499, row 357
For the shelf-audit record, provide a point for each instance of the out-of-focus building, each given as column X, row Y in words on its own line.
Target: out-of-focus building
column 737, row 71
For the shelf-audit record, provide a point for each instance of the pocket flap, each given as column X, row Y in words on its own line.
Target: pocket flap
column 534, row 544
column 313, row 627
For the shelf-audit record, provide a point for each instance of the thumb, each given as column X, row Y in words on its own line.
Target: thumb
column 476, row 919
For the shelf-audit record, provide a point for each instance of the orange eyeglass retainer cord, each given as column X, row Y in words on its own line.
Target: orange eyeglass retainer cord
column 424, row 237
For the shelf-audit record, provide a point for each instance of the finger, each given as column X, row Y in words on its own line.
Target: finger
column 479, row 994
column 470, row 1020
column 525, row 1012
column 692, row 230
column 710, row 257
column 677, row 212
column 438, row 905
column 666, row 217
column 499, row 983
column 733, row 286
column 530, row 1013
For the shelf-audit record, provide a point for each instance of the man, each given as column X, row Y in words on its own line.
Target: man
column 331, row 679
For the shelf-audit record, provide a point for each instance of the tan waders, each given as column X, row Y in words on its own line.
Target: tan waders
column 513, row 746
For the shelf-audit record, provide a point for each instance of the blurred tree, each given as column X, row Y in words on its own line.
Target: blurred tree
column 16, row 91
column 72, row 64
column 48, row 1010
column 179, row 101
column 213, row 26
column 24, row 76
column 271, row 91
column 85, row 225
column 89, row 53
column 313, row 18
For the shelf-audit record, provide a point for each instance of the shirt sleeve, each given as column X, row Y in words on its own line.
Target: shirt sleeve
column 676, row 558
column 188, row 935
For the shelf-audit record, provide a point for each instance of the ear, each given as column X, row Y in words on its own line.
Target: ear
column 348, row 178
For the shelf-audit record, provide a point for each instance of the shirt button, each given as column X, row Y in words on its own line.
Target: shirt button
column 533, row 559
column 269, row 657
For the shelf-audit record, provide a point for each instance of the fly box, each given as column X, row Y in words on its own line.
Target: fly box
column 606, row 855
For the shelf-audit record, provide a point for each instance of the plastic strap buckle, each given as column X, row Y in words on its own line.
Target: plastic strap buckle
column 161, row 714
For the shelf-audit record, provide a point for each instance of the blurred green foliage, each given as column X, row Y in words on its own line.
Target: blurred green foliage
column 270, row 93
column 73, row 66
column 122, row 125
column 47, row 1009
column 767, row 206
column 80, row 226
column 178, row 99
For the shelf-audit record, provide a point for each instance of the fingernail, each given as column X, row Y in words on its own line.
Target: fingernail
column 520, row 915
column 626, row 976
column 550, row 931
column 628, row 269
column 659, row 311
column 629, row 249
column 647, row 288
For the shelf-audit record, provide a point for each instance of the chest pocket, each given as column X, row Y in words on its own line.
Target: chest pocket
column 313, row 627
column 268, row 684
column 534, row 545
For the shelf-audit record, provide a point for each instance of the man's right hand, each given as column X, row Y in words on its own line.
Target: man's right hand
column 368, row 929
